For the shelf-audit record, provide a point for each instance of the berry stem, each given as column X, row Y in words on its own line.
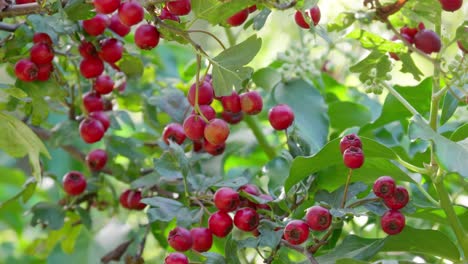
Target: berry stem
column 260, row 136
column 345, row 194
column 363, row 201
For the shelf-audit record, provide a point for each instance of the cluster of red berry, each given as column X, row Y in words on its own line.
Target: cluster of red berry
column 317, row 218
column 240, row 17
column 39, row 65
column 351, row 148
column 313, row 13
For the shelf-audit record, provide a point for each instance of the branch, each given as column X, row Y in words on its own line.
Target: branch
column 383, row 12
column 9, row 27
column 21, row 10
column 117, row 253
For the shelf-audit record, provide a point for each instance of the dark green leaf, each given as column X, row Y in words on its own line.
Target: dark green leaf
column 173, row 102
column 49, row 214
column 230, row 251
column 460, row 134
column 260, row 18
column 79, row 10
column 347, row 114
column 164, row 209
column 334, row 199
column 448, row 108
column 213, row 258
column 132, row 66
column 266, row 78
column 353, row 247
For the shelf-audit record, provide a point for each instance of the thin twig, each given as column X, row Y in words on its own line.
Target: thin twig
column 21, row 10
column 9, row 27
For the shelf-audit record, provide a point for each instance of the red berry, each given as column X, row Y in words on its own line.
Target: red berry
column 251, row 102
column 176, row 258
column 231, row 103
column 106, row 6
column 212, row 149
column 264, row 206
column 92, row 102
column 96, row 159
column 205, row 94
column 179, row 7
column 123, row 199
column 250, row 189
column 41, row 53
column 238, row 18
column 21, row 2
column 26, row 70
column 353, row 157
column 451, row 5
column 44, row 71
column 232, row 118
column 392, row 222
column 180, row 239
column 111, row 50
column 146, row 36
column 202, row 239
column 313, row 13
column 91, row 130
column 194, row 127
column 96, row 25
column 409, row 33
column 220, row 224
column 87, row 49
column 131, row 13
column 318, row 218
column 252, row 9
column 117, row 26
column 427, row 41
column 103, row 84
column 134, row 198
column 296, row 232
column 216, row 131
column 351, row 140
column 91, row 67
column 40, row 37
column 226, row 199
column 281, row 116
column 174, row 132
column 166, row 14
column 74, row 183
column 384, row 187
column 198, row 146
column 246, row 219
column 398, row 200
column 101, row 117
column 207, row 112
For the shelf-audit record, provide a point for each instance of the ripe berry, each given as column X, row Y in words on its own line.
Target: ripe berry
column 96, row 25
column 96, row 159
column 41, row 53
column 91, row 67
column 213, row 149
column 451, row 5
column 40, row 37
column 21, row 2
column 131, row 13
column 238, row 18
column 134, row 198
column 250, row 189
column 207, row 112
column 101, row 117
column 246, row 219
column 296, row 232
column 350, row 140
column 232, row 118
column 146, row 36
column 194, row 127
column 106, row 6
column 180, row 239
column 281, row 116
column 118, row 27
column 87, row 49
column 216, row 131
column 251, row 102
column 26, row 70
column 179, row 7
column 123, row 199
column 252, row 9
column 198, row 146
column 427, row 41
column 202, row 239
column 44, row 71
column 392, row 222
column 226, row 199
column 398, row 200
column 111, row 50
column 384, row 187
column 353, row 157
column 176, row 258
column 92, row 102
column 318, row 218
column 166, row 14
column 103, row 84
column 409, row 33
column 231, row 103
column 91, row 130
column 74, row 183
column 205, row 94
column 174, row 132
column 220, row 224
column 313, row 13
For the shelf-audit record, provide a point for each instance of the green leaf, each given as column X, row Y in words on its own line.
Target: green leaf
column 15, row 92
column 26, row 192
column 460, row 134
column 353, row 247
column 347, row 114
column 164, row 209
column 267, row 78
column 217, row 12
column 213, row 258
column 341, row 22
column 53, row 25
column 230, row 251
column 423, row 241
column 375, row 65
column 79, row 10
column 451, row 156
column 260, row 19
column 275, row 170
column 375, row 42
column 229, row 68
column 334, row 198
column 131, row 65
column 49, row 214
column 448, row 108
column 173, row 102
column 408, row 65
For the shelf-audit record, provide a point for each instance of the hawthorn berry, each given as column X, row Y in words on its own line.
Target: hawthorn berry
column 91, row 67
column 318, row 218
column 101, row 117
column 87, row 49
column 96, row 159
column 146, row 37
column 106, row 6
column 216, row 131
column 392, row 222
column 91, row 130
column 179, row 7
column 103, row 84
column 123, row 199
column 194, row 127
column 198, row 146
column 409, row 33
column 202, row 239
column 130, row 199
column 252, row 9
column 398, row 200
column 131, row 13
column 250, row 189
column 96, row 25
column 180, row 239
column 166, row 14
column 296, row 232
column 74, row 183
column 174, row 132
column 26, row 70
column 40, row 37
column 246, row 219
column 238, row 18
column 351, row 140
column 44, row 71
column 353, row 157
column 176, row 258
column 92, row 102
column 313, row 13
column 226, row 199
column 220, row 224
column 207, row 112
column 281, row 117
column 111, row 50
column 21, row 2
column 427, row 41
column 41, row 53
column 231, row 103
column 232, row 118
column 384, row 187
column 213, row 149
column 251, row 102
column 117, row 26
column 205, row 94
column 451, row 5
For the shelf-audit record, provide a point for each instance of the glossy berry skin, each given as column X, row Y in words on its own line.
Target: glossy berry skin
column 313, row 13
column 103, row 84
column 246, row 219
column 176, row 258
column 26, row 70
column 202, row 239
column 232, row 118
column 96, row 159
column 296, row 232
column 92, row 102
column 250, row 189
column 91, row 67
column 180, row 239
column 40, row 37
column 281, row 116
column 44, row 71
column 194, row 127
column 427, row 41
column 226, row 199
column 251, row 102
column 252, row 9
column 166, row 14
column 111, row 50
column 216, row 131
column 220, row 224
column 123, row 199
column 41, row 53
column 353, row 158
column 451, row 5
column 87, row 49
column 213, row 149
column 147, row 37
column 398, row 200
column 106, row 6
column 392, row 222
column 131, row 200
column 74, row 183
column 179, row 7
column 198, row 146
column 101, row 117
column 96, row 25
column 238, row 18
column 351, row 140
column 91, row 130
column 118, row 27
column 318, row 218
column 207, row 112
column 131, row 13
column 384, row 187
column 409, row 33
column 21, row 2
column 174, row 132
column 205, row 94
column 231, row 103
